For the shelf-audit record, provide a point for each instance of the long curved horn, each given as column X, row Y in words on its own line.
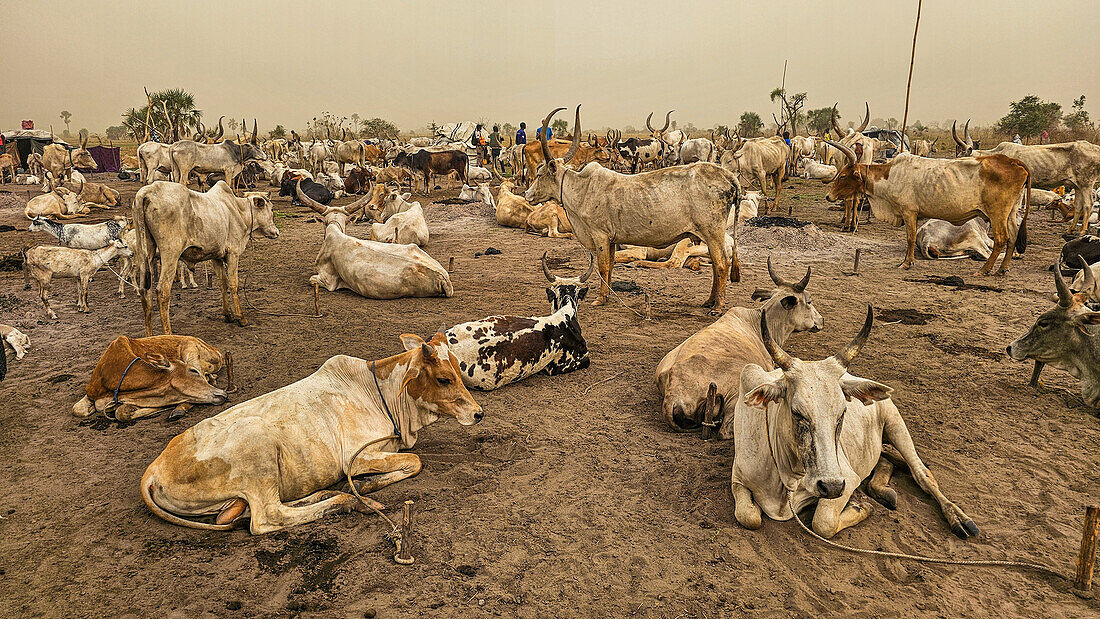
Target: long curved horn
column 358, row 204
column 779, row 356
column 83, row 139
column 343, row 134
column 801, row 286
column 546, row 270
column 221, row 130
column 966, row 135
column 866, row 117
column 667, row 116
column 255, row 133
column 308, row 201
column 955, row 134
column 849, row 153
column 850, row 351
column 576, row 136
column 775, row 276
column 1065, row 295
column 1090, row 279
column 647, row 123
column 836, row 125
column 542, row 134
column 591, row 265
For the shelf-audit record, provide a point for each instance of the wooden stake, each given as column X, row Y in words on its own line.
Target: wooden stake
column 404, row 554
column 909, row 84
column 1086, row 559
column 229, row 386
column 316, row 300
column 451, row 265
column 709, row 412
column 855, row 266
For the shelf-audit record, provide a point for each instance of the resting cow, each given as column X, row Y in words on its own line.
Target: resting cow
column 937, row 238
column 549, row 219
column 511, row 209
column 270, row 459
column 809, row 432
column 403, row 228
column 499, row 350
column 138, row 378
column 716, row 354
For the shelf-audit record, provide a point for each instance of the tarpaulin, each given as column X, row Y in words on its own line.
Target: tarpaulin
column 108, row 157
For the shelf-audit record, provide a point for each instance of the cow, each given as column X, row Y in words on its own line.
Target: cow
column 759, row 160
column 687, row 253
column 385, row 203
column 966, row 146
column 351, row 417
column 672, row 139
column 637, row 151
column 177, row 223
column 586, row 152
column 352, row 152
column 80, row 236
column 501, row 350
column 511, row 209
column 1063, row 337
column 57, row 204
column 954, row 190
column 227, row 157
column 851, row 138
column 479, row 193
column 403, row 228
column 358, row 181
column 1085, row 248
column 152, row 156
column 802, row 147
column 316, row 191
column 716, row 354
column 60, row 161
column 815, row 170
column 45, row 262
column 698, row 149
column 550, row 220
column 937, row 239
column 137, row 378
column 1085, row 282
column 654, row 209
column 809, row 432
column 98, row 193
column 369, row 268
column 399, row 176
column 440, row 163
column 924, row 148
column 749, row 207
column 7, row 165
column 15, row 340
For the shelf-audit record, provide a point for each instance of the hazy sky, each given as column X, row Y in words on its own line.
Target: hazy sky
column 415, row 62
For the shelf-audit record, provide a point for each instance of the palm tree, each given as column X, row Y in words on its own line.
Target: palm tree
column 182, row 116
column 66, row 116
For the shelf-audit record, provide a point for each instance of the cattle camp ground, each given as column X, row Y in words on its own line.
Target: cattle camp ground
column 585, row 490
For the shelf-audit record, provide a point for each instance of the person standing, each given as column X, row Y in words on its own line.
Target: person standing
column 1046, row 137
column 478, row 140
column 521, row 134
column 549, row 133
column 494, row 145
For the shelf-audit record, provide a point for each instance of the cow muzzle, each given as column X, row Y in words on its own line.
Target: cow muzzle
column 829, row 488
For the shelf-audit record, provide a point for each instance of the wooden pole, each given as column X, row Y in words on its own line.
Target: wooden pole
column 148, row 113
column 451, row 265
column 316, row 300
column 404, row 554
column 909, row 84
column 709, row 412
column 855, row 266
column 229, row 386
column 1086, row 559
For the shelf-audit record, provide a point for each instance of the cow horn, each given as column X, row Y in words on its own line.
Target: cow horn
column 591, row 265
column 836, row 125
column 775, row 276
column 221, row 130
column 546, row 270
column 667, row 116
column 1065, row 295
column 844, row 149
column 801, row 285
column 310, row 202
column 255, row 132
column 542, row 134
column 966, row 136
column 955, row 134
column 576, row 136
column 1090, row 280
column 647, row 123
column 83, row 139
column 866, row 117
column 343, row 134
column 358, row 204
column 848, row 354
column 779, row 356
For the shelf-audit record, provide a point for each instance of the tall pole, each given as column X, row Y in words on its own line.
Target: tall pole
column 909, row 84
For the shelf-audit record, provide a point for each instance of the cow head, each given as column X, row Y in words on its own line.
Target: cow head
column 1060, row 330
column 184, row 379
column 41, row 224
column 851, row 178
column 433, row 381
column 70, row 199
column 337, row 215
column 81, row 158
column 789, row 303
column 263, row 220
column 810, row 399
column 549, row 176
column 658, row 134
column 564, row 291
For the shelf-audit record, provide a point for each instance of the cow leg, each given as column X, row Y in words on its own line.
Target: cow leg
column 385, row 468
column 910, row 236
column 897, row 434
column 180, row 410
column 232, row 262
column 128, row 413
column 877, row 486
column 779, row 190
column 999, row 232
column 44, row 293
column 1035, row 382
column 834, row 515
column 167, row 276
column 1082, row 202
column 82, row 294
column 745, row 509
column 720, row 264
column 604, row 262
column 219, row 272
column 125, row 270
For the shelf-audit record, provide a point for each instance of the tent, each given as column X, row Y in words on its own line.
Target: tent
column 29, row 141
column 108, row 157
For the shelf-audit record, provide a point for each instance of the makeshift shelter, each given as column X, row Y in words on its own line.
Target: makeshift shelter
column 29, row 141
column 108, row 158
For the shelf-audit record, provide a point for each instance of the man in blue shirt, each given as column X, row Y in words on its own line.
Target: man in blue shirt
column 521, row 135
column 549, row 133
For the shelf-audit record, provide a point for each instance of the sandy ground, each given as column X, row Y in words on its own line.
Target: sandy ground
column 572, row 498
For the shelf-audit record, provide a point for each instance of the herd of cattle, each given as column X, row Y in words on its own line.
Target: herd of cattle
column 805, row 432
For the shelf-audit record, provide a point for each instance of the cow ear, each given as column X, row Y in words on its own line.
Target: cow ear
column 550, row 295
column 411, row 340
column 762, row 294
column 157, row 360
column 1084, row 321
column 866, row 391
column 764, row 394
column 406, row 196
column 788, row 301
column 582, row 293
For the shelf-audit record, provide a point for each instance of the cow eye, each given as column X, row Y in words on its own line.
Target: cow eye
column 194, row 371
column 1044, row 323
column 798, row 416
column 443, row 382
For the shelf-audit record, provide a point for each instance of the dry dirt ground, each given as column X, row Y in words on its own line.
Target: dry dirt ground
column 572, row 498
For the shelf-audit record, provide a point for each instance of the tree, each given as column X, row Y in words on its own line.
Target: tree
column 116, row 132
column 559, row 126
column 379, row 128
column 182, row 115
column 1079, row 119
column 507, row 129
column 892, row 123
column 820, row 120
column 66, row 117
column 750, row 125
column 278, row 132
column 792, row 107
column 231, row 123
column 1030, row 116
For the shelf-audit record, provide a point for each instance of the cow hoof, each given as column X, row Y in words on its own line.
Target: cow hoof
column 599, row 302
column 242, row 322
column 887, row 497
column 965, row 529
column 228, row 318
column 175, row 414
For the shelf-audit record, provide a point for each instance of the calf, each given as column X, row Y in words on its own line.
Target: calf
column 716, row 354
column 1062, row 336
column 511, row 209
column 43, row 263
column 808, row 432
column 137, row 378
column 80, row 236
column 351, row 417
column 500, row 350
column 7, row 166
column 400, row 176
column 815, row 170
column 479, row 193
column 937, row 238
column 549, row 219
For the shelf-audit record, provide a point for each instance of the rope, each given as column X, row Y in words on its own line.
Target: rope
column 395, row 532
column 919, row 558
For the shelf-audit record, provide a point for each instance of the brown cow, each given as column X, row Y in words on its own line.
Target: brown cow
column 7, row 164
column 586, row 152
column 137, row 378
column 429, row 162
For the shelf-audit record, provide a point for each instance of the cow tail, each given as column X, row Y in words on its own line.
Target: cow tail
column 147, row 497
column 144, row 257
column 736, row 223
column 1021, row 234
